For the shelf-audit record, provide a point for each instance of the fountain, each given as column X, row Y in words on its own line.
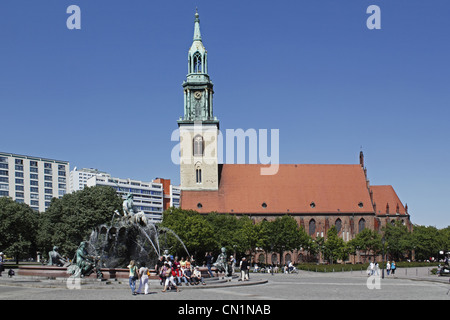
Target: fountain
column 110, row 247
column 124, row 240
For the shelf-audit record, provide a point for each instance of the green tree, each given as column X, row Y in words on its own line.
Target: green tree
column 282, row 234
column 194, row 230
column 398, row 240
column 247, row 234
column 426, row 242
column 333, row 246
column 17, row 229
column 368, row 241
column 70, row 220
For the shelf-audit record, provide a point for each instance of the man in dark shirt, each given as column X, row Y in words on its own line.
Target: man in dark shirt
column 244, row 268
column 209, row 260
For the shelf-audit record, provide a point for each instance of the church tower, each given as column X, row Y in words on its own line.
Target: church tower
column 198, row 127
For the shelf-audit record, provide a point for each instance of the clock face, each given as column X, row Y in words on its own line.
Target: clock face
column 197, row 95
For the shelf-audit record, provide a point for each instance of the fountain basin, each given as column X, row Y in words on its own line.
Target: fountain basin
column 108, row 273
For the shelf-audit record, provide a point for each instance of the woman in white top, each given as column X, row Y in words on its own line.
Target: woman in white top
column 143, row 276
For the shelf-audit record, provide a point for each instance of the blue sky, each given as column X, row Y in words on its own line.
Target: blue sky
column 108, row 96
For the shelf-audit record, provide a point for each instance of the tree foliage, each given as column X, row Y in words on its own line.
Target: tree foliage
column 17, row 228
column 70, row 220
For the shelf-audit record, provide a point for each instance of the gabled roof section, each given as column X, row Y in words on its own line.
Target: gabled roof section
column 296, row 188
column 387, row 201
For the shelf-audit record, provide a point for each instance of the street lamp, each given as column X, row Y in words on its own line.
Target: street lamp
column 383, row 241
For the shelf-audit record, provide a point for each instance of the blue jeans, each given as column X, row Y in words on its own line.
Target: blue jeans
column 209, row 270
column 132, row 283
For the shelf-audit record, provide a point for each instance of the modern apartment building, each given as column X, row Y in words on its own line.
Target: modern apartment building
column 33, row 180
column 78, row 177
column 147, row 196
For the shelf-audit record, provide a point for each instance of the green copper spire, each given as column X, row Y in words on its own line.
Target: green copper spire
column 197, row 34
column 198, row 88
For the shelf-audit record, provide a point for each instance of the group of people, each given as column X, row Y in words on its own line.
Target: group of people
column 171, row 272
column 374, row 268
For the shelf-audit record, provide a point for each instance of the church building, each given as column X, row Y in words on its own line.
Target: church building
column 317, row 196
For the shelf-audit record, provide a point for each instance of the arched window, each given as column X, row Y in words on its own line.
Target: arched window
column 198, row 68
column 338, row 225
column 312, row 227
column 198, row 145
column 361, row 224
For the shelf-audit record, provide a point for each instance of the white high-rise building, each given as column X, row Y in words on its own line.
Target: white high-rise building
column 32, row 180
column 147, row 196
column 78, row 177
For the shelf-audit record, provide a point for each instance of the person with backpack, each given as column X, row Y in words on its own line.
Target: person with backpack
column 393, row 267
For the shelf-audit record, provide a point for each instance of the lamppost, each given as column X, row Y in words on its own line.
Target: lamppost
column 383, row 241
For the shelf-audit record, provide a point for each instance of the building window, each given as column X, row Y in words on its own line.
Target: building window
column 338, row 225
column 198, row 145
column 264, row 205
column 198, row 175
column 312, row 227
column 33, row 164
column 361, row 224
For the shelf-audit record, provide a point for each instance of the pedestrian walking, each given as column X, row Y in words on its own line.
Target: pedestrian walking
column 143, row 279
column 244, row 267
column 393, row 267
column 388, row 268
column 209, row 261
column 133, row 276
column 1, row 263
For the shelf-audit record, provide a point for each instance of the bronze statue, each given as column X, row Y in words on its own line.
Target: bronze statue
column 55, row 259
column 85, row 264
column 221, row 262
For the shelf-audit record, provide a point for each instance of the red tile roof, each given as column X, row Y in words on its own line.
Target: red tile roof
column 386, row 195
column 296, row 188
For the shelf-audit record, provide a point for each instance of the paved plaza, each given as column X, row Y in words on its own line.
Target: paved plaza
column 407, row 284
